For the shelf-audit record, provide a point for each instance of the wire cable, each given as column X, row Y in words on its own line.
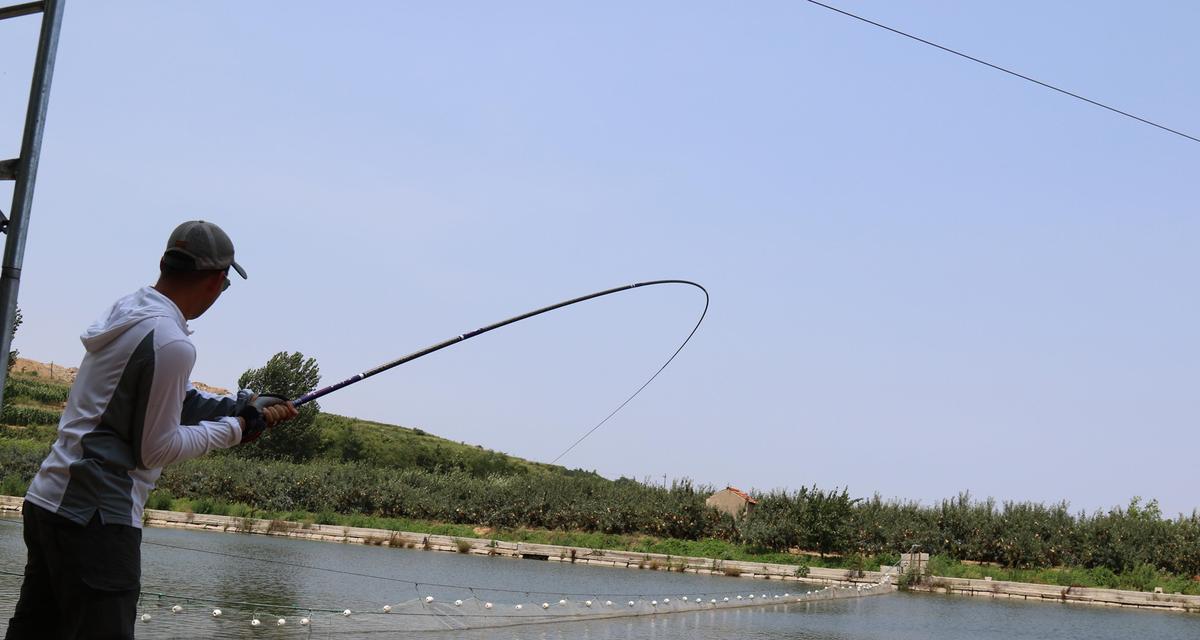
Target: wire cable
column 1005, row 70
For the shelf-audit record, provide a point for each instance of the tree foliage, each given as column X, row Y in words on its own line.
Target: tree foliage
column 290, row 375
column 12, row 355
column 810, row 519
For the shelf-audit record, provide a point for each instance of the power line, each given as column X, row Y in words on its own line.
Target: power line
column 1008, row 71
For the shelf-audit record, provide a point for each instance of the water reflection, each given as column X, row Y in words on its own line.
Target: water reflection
column 286, row 582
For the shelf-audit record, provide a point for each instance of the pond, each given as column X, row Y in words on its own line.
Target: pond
column 267, row 578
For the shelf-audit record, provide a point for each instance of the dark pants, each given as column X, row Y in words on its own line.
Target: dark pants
column 80, row 582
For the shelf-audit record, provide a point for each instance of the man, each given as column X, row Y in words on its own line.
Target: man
column 131, row 411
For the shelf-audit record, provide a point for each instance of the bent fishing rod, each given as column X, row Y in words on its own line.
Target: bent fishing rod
column 309, row 397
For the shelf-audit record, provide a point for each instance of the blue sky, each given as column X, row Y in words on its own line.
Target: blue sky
column 927, row 277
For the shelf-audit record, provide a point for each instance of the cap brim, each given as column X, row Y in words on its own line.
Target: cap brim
column 241, row 272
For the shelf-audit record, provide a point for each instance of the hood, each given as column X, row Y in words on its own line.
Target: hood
column 128, row 311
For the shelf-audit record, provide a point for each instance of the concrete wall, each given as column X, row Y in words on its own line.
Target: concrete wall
column 1053, row 593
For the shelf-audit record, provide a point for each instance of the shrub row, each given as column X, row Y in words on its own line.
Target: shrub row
column 47, row 392
column 21, row 415
column 1012, row 535
column 569, row 503
column 1017, row 535
column 1122, row 540
column 1029, row 535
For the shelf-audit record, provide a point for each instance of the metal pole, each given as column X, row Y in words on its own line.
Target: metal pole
column 26, row 175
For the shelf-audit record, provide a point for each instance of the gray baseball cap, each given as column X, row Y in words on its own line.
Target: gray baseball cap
column 200, row 246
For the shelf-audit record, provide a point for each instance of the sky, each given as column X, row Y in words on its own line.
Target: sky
column 927, row 277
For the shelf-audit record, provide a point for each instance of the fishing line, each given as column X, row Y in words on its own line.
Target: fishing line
column 456, row 618
column 373, row 576
column 309, row 397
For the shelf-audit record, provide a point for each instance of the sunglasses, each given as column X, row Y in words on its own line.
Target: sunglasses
column 225, row 285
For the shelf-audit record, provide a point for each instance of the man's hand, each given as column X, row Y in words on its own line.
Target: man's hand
column 263, row 412
column 274, row 409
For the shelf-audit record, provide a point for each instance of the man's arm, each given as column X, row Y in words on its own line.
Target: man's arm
column 201, row 405
column 163, row 439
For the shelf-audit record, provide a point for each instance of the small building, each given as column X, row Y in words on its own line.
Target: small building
column 735, row 502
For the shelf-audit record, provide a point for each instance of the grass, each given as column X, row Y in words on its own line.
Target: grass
column 396, row 447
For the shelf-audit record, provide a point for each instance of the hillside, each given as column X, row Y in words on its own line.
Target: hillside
column 37, row 392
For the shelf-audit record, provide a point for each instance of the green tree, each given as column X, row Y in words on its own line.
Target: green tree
column 827, row 522
column 12, row 355
column 775, row 523
column 289, row 375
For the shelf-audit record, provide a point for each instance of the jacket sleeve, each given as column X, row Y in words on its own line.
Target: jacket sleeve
column 164, row 439
column 201, row 405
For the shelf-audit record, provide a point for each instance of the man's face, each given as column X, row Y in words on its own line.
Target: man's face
column 214, row 285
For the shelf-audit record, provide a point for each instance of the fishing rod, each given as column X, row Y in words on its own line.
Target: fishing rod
column 309, row 397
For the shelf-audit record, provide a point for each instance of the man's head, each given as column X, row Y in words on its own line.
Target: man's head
column 194, row 269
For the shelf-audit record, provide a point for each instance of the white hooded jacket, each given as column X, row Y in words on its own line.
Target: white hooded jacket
column 130, row 412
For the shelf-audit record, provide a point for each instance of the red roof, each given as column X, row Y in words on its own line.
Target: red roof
column 744, row 496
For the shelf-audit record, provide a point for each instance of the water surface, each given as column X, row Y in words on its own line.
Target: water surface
column 187, row 567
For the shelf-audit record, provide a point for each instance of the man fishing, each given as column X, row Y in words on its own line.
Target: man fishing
column 131, row 412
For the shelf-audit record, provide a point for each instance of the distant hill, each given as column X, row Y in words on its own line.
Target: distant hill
column 37, row 392
column 43, row 370
column 52, row 371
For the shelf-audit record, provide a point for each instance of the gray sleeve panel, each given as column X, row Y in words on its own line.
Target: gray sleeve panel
column 100, row 479
column 199, row 406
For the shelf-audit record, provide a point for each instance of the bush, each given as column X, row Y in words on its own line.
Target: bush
column 908, row 579
column 13, row 485
column 20, row 460
column 1103, row 577
column 1143, row 578
column 160, row 499
column 856, row 564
